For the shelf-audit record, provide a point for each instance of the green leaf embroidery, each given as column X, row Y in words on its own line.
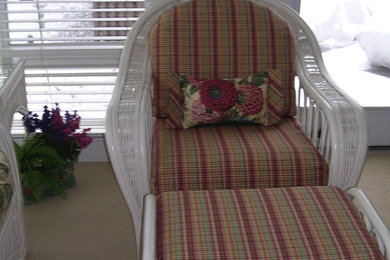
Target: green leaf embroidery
column 240, row 98
column 194, row 89
column 183, row 81
column 209, row 111
column 258, row 80
column 243, row 81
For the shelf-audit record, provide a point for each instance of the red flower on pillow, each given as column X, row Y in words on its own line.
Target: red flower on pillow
column 201, row 115
column 253, row 97
column 218, row 95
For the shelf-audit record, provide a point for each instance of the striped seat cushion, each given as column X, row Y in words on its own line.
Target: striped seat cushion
column 236, row 156
column 286, row 223
column 220, row 39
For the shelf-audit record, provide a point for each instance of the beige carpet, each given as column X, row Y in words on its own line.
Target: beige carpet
column 94, row 222
column 375, row 182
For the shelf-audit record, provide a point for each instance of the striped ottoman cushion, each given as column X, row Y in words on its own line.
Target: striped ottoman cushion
column 220, row 39
column 234, row 157
column 287, row 223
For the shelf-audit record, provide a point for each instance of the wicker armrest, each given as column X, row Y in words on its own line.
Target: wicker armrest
column 335, row 122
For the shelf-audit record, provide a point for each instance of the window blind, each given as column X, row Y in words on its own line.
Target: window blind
column 44, row 22
column 72, row 50
column 85, row 90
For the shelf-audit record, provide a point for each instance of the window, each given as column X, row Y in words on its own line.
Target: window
column 44, row 22
column 72, row 50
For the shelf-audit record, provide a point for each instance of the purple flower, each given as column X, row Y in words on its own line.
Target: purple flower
column 68, row 118
column 59, row 137
column 31, row 122
column 58, row 131
column 72, row 126
column 56, row 122
column 45, row 123
column 82, row 139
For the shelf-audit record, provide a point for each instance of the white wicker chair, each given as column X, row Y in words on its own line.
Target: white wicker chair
column 320, row 105
column 12, row 234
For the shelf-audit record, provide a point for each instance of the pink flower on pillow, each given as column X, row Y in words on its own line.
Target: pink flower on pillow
column 218, row 95
column 253, row 97
column 201, row 115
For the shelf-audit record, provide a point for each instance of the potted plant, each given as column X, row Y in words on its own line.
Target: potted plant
column 48, row 153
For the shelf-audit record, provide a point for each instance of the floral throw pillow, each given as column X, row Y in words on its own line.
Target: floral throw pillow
column 253, row 99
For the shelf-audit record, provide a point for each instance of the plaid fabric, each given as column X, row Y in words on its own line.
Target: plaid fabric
column 175, row 105
column 232, row 156
column 287, row 223
column 274, row 95
column 220, row 39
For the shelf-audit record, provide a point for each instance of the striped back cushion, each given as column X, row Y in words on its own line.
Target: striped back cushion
column 220, row 39
column 287, row 223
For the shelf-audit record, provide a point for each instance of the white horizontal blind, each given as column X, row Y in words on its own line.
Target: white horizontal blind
column 85, row 90
column 72, row 49
column 43, row 22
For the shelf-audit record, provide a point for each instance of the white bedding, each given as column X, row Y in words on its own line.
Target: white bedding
column 351, row 70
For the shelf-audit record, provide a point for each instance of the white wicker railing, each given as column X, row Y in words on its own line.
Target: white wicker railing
column 13, row 94
column 12, row 233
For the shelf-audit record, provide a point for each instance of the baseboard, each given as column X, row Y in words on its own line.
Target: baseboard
column 96, row 151
column 378, row 121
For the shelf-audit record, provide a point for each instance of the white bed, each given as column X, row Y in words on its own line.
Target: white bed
column 349, row 66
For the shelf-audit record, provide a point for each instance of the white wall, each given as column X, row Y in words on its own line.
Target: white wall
column 295, row 4
column 96, row 151
column 378, row 121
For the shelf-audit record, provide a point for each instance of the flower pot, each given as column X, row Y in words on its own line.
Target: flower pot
column 67, row 180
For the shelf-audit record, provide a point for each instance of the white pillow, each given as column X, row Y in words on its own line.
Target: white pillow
column 338, row 22
column 375, row 40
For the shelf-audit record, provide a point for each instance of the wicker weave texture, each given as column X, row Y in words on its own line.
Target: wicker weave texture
column 13, row 94
column 12, row 235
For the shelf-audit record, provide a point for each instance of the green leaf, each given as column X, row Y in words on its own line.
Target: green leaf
column 183, row 81
column 243, row 81
column 40, row 165
column 233, row 113
column 240, row 98
column 194, row 89
column 257, row 80
column 209, row 111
